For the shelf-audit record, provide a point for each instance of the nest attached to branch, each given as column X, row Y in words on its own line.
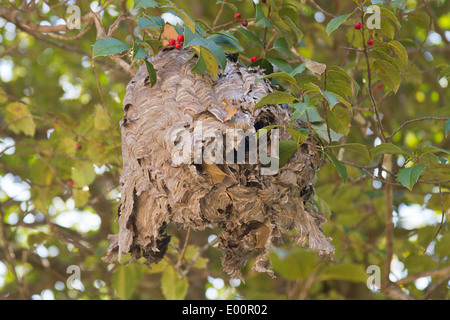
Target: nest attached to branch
column 252, row 210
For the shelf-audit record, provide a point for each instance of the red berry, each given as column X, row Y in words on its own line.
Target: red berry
column 238, row 16
column 254, row 59
column 263, row 1
column 370, row 42
column 380, row 87
column 178, row 45
column 244, row 23
column 71, row 183
column 172, row 42
column 79, row 146
column 357, row 25
column 180, row 38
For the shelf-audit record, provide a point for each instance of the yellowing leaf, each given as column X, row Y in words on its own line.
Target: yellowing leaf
column 231, row 111
column 19, row 118
column 217, row 175
column 172, row 286
column 315, row 67
column 101, row 120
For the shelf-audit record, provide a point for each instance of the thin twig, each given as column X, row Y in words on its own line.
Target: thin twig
column 220, row 13
column 411, row 121
column 369, row 77
column 180, row 259
column 442, row 219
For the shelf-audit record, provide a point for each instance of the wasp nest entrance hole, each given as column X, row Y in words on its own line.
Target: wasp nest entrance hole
column 162, row 184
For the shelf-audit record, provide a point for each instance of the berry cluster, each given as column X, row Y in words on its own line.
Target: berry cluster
column 177, row 43
column 244, row 23
column 238, row 16
column 358, row 26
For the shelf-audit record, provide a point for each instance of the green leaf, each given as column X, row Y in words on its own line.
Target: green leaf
column 388, row 74
column 83, row 173
column 338, row 165
column 173, row 288
column 336, row 22
column 232, row 6
column 346, row 272
column 322, row 132
column 101, row 119
column 210, row 62
column 183, row 16
column 400, row 51
column 298, row 34
column 20, row 119
column 358, row 148
column 251, row 37
column 409, row 176
column 297, row 135
column 330, row 97
column 138, row 52
column 276, row 97
column 447, row 127
column 282, row 46
column 263, row 64
column 200, row 65
column 279, row 75
column 281, row 64
column 226, row 41
column 145, row 4
column 386, row 148
column 390, row 15
column 338, row 120
column 151, row 72
column 126, row 279
column 208, row 44
column 107, row 46
column 147, row 23
column 261, row 18
column 299, row 69
column 293, row 264
column 287, row 149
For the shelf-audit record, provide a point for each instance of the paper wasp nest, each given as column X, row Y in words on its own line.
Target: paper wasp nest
column 161, row 185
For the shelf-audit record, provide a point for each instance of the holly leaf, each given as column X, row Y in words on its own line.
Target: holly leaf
column 409, row 176
column 277, row 97
column 151, row 72
column 145, row 4
column 251, row 37
column 338, row 165
column 138, row 52
column 279, row 75
column 107, row 46
column 336, row 22
column 286, row 150
column 282, row 46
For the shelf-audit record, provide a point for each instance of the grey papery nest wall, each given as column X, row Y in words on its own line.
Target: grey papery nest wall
column 253, row 210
